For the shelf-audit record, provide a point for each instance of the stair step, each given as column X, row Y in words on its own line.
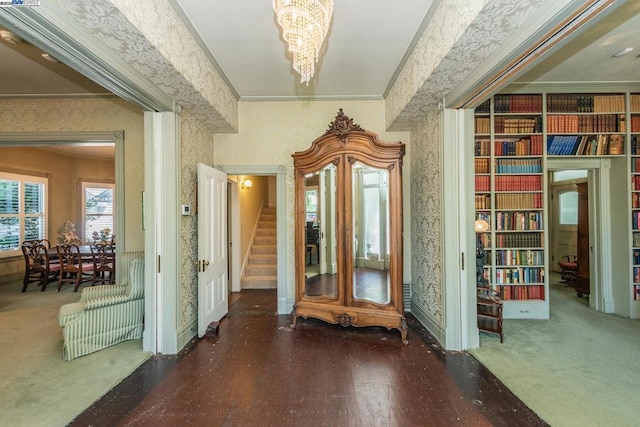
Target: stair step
column 266, row 232
column 261, row 259
column 266, row 224
column 265, row 240
column 264, row 249
column 259, row 282
column 261, row 270
column 268, row 217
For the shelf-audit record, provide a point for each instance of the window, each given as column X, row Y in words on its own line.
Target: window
column 97, row 199
column 23, row 211
column 569, row 208
column 565, row 175
column 312, row 205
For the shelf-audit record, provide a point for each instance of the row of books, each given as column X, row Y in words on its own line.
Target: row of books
column 519, row 257
column 585, row 103
column 519, row 165
column 635, row 182
column 636, row 292
column 518, row 183
column 636, row 257
column 483, row 201
column 519, row 240
column 517, row 104
column 635, row 123
column 635, row 221
column 519, row 221
column 519, row 275
column 635, row 200
column 519, row 201
column 482, row 125
column 636, row 274
column 519, row 292
column 482, row 165
column 518, row 125
column 571, row 123
column 634, row 146
column 635, row 164
column 585, row 145
column 484, row 108
column 636, row 240
column 635, row 103
column 483, row 183
column 531, row 146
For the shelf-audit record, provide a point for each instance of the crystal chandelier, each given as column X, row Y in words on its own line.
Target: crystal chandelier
column 304, row 26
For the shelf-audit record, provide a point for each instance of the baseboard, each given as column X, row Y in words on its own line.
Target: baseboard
column 429, row 323
column 187, row 333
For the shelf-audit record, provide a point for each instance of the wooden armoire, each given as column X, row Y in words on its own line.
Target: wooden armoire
column 348, row 187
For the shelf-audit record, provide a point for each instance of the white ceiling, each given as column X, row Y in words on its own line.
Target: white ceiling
column 360, row 56
column 365, row 46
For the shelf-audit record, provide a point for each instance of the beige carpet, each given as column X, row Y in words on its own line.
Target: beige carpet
column 579, row 368
column 38, row 388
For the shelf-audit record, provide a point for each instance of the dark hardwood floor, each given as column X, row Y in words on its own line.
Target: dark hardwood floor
column 258, row 371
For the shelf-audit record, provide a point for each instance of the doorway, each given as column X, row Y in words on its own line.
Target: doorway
column 271, row 196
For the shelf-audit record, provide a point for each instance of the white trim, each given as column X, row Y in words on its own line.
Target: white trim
column 161, row 217
column 286, row 293
column 458, row 279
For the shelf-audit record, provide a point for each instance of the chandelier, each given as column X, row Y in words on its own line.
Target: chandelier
column 304, row 26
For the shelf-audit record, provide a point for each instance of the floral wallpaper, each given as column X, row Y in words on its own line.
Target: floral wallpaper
column 461, row 35
column 426, row 222
column 195, row 147
column 137, row 32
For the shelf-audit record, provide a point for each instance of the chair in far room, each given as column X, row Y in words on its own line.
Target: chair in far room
column 73, row 268
column 39, row 266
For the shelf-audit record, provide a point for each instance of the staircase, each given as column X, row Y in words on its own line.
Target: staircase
column 261, row 269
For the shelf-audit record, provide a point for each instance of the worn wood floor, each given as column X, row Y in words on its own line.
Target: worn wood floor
column 258, row 371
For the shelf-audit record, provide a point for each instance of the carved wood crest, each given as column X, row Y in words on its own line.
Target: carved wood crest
column 341, row 126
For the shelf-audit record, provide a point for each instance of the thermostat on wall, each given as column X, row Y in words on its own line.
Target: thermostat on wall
column 186, row 210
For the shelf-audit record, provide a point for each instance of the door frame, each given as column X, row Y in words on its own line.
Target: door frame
column 285, row 293
column 601, row 263
column 554, row 199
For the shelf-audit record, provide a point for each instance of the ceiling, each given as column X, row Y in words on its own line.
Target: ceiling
column 360, row 59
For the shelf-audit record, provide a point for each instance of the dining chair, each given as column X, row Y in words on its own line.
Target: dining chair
column 73, row 268
column 39, row 266
column 104, row 265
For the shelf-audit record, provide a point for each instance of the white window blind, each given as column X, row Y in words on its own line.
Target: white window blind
column 23, row 211
column 98, row 202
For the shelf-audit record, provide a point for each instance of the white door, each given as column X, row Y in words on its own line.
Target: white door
column 212, row 247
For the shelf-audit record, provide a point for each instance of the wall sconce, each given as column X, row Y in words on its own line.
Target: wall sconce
column 246, row 184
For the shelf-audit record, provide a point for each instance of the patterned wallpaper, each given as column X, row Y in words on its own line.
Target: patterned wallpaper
column 137, row 32
column 426, row 222
column 461, row 35
column 195, row 147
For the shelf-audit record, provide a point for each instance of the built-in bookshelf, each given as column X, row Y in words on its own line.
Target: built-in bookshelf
column 634, row 148
column 510, row 182
column 516, row 135
column 585, row 124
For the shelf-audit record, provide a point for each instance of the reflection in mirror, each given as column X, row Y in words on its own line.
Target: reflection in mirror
column 320, row 228
column 371, row 279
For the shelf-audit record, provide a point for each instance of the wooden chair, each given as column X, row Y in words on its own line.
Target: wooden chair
column 73, row 269
column 39, row 267
column 489, row 307
column 104, row 263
